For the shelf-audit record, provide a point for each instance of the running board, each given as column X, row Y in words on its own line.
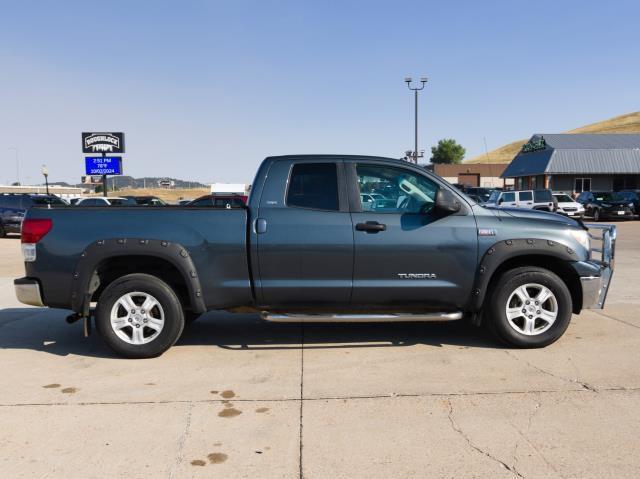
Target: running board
column 359, row 318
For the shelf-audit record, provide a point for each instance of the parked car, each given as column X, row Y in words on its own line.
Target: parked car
column 605, row 204
column 633, row 197
column 482, row 193
column 305, row 249
column 106, row 201
column 14, row 205
column 568, row 206
column 542, row 200
column 147, row 200
column 219, row 201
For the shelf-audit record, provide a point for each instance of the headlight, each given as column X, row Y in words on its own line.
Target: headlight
column 582, row 237
column 630, row 205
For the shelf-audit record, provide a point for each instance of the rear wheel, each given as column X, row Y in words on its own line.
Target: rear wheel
column 530, row 307
column 139, row 316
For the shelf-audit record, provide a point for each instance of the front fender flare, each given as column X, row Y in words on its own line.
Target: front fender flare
column 508, row 249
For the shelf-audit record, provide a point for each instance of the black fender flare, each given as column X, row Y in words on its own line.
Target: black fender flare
column 85, row 282
column 508, row 249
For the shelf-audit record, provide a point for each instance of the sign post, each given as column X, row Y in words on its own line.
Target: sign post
column 103, row 143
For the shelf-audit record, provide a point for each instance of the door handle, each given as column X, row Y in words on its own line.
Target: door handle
column 260, row 226
column 371, row 227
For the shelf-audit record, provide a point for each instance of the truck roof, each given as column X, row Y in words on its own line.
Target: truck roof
column 316, row 157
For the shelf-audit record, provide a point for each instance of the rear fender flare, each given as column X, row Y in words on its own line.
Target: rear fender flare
column 85, row 281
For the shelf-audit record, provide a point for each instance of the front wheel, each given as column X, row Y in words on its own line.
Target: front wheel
column 3, row 232
column 139, row 316
column 529, row 307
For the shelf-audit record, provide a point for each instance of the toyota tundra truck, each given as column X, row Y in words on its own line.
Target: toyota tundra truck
column 323, row 238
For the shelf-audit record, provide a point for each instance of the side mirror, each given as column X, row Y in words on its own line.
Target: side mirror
column 500, row 201
column 447, row 202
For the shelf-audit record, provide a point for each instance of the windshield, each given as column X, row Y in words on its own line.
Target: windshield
column 493, row 198
column 564, row 198
column 607, row 196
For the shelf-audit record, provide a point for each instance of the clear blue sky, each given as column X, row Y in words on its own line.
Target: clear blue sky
column 204, row 90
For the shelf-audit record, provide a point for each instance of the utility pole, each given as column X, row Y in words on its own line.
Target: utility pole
column 45, row 173
column 423, row 81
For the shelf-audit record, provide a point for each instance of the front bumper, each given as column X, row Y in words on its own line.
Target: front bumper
column 595, row 287
column 28, row 291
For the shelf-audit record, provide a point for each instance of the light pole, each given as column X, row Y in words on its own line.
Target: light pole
column 17, row 164
column 423, row 81
column 45, row 172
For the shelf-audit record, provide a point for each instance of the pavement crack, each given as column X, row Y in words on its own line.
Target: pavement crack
column 615, row 319
column 476, row 448
column 582, row 384
column 182, row 441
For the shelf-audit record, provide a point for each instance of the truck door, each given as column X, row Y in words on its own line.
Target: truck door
column 304, row 235
column 406, row 255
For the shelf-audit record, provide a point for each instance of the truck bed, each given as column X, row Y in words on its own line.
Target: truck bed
column 215, row 240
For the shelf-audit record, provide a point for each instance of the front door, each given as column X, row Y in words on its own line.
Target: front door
column 407, row 256
column 305, row 237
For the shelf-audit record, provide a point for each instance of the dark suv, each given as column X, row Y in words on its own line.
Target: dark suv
column 14, row 205
column 605, row 204
column 633, row 197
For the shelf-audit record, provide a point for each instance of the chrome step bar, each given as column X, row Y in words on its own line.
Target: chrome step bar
column 359, row 318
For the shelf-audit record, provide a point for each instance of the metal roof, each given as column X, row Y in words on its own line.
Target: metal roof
column 578, row 154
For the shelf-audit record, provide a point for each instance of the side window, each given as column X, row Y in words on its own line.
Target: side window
column 543, row 196
column 11, row 201
column 525, row 196
column 385, row 189
column 202, row 202
column 314, row 185
column 509, row 196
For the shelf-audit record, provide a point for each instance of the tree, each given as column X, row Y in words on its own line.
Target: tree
column 448, row 151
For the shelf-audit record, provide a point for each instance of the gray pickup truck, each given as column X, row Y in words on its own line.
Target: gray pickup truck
column 324, row 238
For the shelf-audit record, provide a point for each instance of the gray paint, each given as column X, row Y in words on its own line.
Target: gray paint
column 309, row 259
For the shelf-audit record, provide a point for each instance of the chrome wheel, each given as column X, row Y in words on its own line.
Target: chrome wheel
column 137, row 318
column 532, row 309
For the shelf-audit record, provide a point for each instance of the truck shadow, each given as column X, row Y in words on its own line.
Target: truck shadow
column 45, row 330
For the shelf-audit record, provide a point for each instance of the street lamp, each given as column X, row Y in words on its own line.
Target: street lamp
column 423, row 81
column 45, row 172
column 17, row 164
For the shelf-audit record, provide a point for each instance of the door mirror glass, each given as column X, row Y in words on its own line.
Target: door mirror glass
column 500, row 201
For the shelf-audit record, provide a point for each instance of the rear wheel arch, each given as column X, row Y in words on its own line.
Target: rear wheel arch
column 105, row 261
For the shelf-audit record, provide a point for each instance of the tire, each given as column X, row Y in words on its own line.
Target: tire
column 3, row 232
column 506, row 300
column 596, row 215
column 157, row 329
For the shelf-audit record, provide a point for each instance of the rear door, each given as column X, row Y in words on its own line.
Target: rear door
column 304, row 235
column 408, row 257
column 525, row 199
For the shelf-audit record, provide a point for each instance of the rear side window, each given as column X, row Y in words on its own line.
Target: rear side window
column 542, row 196
column 525, row 196
column 46, row 200
column 314, row 185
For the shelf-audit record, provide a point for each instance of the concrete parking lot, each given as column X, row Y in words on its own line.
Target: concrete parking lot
column 238, row 397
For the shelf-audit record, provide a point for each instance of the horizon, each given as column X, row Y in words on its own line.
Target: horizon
column 204, row 91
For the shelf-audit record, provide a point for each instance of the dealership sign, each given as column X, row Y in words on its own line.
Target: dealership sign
column 103, row 165
column 103, row 142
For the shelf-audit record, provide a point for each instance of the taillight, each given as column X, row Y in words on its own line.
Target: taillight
column 33, row 230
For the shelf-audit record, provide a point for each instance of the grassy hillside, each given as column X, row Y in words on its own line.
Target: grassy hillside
column 629, row 123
